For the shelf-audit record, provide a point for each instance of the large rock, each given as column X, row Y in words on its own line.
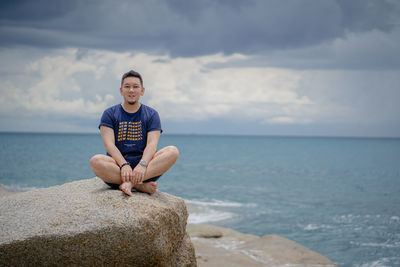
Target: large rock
column 217, row 246
column 84, row 223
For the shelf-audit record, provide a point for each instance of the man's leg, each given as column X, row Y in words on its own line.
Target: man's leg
column 161, row 162
column 107, row 169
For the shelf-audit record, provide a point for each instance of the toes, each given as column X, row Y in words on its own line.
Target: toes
column 149, row 188
column 125, row 190
column 154, row 188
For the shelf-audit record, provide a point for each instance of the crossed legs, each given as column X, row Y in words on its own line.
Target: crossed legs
column 106, row 168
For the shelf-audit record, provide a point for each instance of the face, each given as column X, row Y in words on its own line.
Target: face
column 131, row 90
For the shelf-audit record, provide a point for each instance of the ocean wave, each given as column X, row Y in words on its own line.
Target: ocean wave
column 381, row 245
column 351, row 218
column 219, row 203
column 383, row 262
column 313, row 227
column 209, row 216
column 395, row 218
column 20, row 188
column 211, row 211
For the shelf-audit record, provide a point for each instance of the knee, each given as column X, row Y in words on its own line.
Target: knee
column 173, row 152
column 95, row 161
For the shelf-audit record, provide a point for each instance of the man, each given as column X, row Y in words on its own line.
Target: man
column 130, row 133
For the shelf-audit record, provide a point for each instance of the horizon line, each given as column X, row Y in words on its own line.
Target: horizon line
column 220, row 134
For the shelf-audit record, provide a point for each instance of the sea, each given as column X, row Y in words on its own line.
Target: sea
column 337, row 196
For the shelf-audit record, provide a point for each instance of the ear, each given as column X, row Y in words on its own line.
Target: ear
column 120, row 90
column 142, row 92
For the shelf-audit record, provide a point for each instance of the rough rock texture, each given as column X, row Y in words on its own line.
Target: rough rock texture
column 84, row 223
column 217, row 246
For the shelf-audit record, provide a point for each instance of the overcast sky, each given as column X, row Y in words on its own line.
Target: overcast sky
column 270, row 67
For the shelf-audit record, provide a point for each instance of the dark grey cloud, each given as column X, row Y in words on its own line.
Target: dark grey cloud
column 23, row 11
column 190, row 28
column 360, row 15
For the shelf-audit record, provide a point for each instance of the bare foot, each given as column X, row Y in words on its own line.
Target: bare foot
column 149, row 188
column 126, row 188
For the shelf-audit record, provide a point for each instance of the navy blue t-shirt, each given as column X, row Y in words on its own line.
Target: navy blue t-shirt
column 130, row 129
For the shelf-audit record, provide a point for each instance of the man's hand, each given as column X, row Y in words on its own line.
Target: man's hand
column 138, row 174
column 126, row 173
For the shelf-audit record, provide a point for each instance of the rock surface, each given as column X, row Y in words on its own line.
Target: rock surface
column 84, row 223
column 217, row 246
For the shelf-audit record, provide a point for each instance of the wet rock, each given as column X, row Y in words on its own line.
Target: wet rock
column 233, row 248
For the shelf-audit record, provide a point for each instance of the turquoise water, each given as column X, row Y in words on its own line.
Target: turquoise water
column 337, row 196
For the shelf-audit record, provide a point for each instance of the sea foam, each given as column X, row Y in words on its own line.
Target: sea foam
column 219, row 203
column 209, row 216
column 212, row 211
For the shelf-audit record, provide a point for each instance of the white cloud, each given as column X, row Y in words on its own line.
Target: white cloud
column 284, row 120
column 82, row 83
column 187, row 89
column 180, row 88
column 48, row 85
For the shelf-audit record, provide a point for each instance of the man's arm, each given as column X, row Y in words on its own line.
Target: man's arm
column 107, row 134
column 151, row 145
column 148, row 154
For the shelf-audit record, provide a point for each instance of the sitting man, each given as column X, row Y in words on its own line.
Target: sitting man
column 130, row 133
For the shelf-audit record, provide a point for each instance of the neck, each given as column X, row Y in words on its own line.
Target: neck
column 131, row 108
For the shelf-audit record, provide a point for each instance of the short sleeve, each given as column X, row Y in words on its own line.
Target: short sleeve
column 107, row 119
column 154, row 123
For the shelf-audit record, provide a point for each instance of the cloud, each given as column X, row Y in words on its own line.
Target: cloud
column 82, row 83
column 195, row 28
column 237, row 93
column 76, row 85
column 180, row 88
column 266, row 64
column 49, row 85
column 372, row 50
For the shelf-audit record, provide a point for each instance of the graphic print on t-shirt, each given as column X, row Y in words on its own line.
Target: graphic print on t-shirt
column 130, row 131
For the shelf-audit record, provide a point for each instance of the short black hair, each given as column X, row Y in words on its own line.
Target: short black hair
column 132, row 73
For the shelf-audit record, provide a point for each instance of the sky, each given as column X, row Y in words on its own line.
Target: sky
column 255, row 67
